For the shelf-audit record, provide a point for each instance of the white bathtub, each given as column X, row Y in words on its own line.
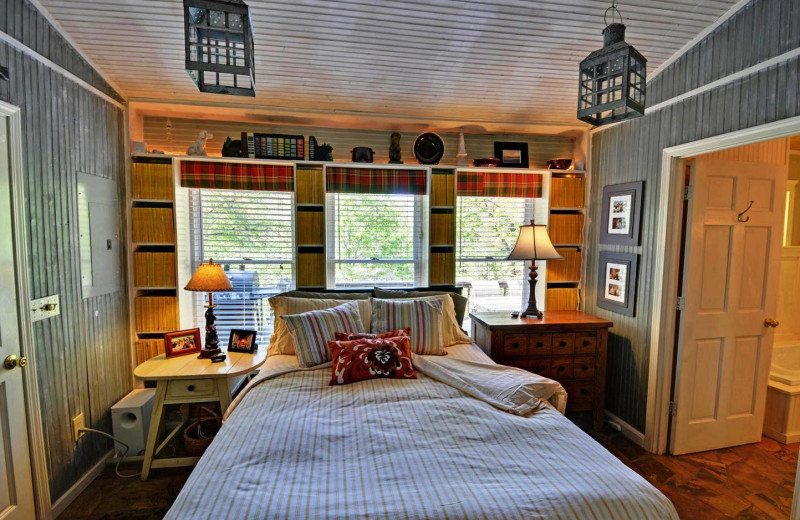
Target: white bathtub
column 782, row 416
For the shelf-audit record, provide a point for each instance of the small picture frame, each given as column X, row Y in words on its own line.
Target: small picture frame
column 242, row 341
column 616, row 290
column 182, row 343
column 621, row 214
column 511, row 155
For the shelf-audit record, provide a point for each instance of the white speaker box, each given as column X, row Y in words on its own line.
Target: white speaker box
column 130, row 420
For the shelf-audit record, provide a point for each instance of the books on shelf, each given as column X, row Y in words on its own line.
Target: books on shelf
column 152, row 226
column 562, row 299
column 273, row 146
column 567, row 192
column 153, row 269
column 566, row 270
column 147, row 348
column 156, row 313
column 152, row 181
column 566, row 229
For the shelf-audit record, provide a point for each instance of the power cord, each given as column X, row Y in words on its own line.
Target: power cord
column 121, row 457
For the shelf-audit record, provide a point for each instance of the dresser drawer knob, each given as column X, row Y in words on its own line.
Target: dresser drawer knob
column 561, row 368
column 190, row 388
column 586, row 343
column 584, row 391
column 515, row 345
column 562, row 344
column 584, row 367
column 539, row 344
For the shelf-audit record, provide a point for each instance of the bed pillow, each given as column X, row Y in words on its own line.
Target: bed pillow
column 372, row 358
column 459, row 300
column 451, row 332
column 281, row 341
column 313, row 330
column 423, row 317
column 352, row 336
column 329, row 295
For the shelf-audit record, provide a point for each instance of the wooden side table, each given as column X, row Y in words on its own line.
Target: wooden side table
column 184, row 380
column 568, row 346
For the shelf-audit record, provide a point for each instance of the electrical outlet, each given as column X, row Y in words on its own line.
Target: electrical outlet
column 77, row 424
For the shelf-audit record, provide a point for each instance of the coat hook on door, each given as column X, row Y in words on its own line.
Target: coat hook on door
column 739, row 217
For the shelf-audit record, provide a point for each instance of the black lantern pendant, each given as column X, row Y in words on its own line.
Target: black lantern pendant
column 219, row 46
column 612, row 79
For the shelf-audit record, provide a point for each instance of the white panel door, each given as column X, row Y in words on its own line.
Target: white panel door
column 731, row 273
column 16, row 487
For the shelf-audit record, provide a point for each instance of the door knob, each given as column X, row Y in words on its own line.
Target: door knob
column 771, row 322
column 13, row 361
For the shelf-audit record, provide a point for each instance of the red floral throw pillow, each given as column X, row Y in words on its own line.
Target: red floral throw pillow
column 350, row 336
column 363, row 359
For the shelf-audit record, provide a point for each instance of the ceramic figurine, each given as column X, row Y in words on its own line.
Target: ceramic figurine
column 395, row 155
column 199, row 147
column 462, row 149
column 232, row 148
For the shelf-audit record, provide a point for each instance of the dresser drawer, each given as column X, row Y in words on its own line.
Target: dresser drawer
column 581, row 393
column 563, row 343
column 583, row 367
column 537, row 366
column 561, row 369
column 585, row 343
column 178, row 388
column 515, row 345
column 540, row 344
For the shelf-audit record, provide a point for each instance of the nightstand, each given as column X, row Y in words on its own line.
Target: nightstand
column 184, row 380
column 568, row 346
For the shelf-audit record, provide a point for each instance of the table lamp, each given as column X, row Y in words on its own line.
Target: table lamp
column 209, row 278
column 533, row 243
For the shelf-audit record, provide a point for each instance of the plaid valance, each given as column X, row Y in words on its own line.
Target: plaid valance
column 405, row 181
column 499, row 184
column 236, row 176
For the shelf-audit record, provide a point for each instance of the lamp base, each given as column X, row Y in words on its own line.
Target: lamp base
column 207, row 353
column 532, row 311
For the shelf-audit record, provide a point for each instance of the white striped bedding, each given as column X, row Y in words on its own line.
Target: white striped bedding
column 295, row 447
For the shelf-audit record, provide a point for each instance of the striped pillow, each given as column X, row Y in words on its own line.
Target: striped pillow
column 424, row 318
column 312, row 330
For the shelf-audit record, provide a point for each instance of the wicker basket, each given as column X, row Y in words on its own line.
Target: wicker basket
column 198, row 435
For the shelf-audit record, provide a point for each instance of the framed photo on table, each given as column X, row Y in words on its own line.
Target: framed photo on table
column 616, row 278
column 622, row 214
column 182, row 343
column 242, row 341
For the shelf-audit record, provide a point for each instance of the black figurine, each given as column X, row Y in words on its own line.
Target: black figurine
column 395, row 155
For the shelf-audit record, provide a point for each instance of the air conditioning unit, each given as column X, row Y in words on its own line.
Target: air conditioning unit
column 130, row 420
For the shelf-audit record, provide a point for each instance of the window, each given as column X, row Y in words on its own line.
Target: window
column 251, row 233
column 486, row 231
column 376, row 238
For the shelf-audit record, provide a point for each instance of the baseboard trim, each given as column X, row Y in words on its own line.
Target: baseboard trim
column 67, row 498
column 781, row 437
column 627, row 430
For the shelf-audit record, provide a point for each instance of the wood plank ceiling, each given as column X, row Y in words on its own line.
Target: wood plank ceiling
column 481, row 61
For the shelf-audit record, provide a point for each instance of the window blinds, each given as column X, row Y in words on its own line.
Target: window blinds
column 375, row 238
column 251, row 234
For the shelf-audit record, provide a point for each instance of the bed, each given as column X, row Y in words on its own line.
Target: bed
column 294, row 447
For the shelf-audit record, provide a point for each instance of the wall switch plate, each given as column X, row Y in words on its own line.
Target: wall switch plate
column 77, row 424
column 46, row 307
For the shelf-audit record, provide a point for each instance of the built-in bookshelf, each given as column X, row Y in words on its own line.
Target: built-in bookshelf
column 154, row 269
column 567, row 201
column 442, row 264
column 310, row 228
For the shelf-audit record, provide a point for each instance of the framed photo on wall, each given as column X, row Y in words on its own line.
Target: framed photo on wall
column 622, row 214
column 616, row 280
column 511, row 155
column 182, row 343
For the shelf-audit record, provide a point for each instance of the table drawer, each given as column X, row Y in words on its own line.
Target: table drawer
column 561, row 369
column 178, row 388
column 537, row 366
column 563, row 343
column 583, row 368
column 515, row 345
column 540, row 344
column 585, row 343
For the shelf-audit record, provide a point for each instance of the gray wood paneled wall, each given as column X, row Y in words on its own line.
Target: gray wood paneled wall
column 631, row 151
column 83, row 355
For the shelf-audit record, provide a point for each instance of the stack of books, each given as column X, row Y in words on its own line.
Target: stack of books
column 156, row 313
column 153, row 269
column 147, row 348
column 153, row 226
column 273, row 146
column 152, row 181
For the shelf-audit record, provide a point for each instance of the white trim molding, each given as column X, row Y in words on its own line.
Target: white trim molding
column 38, row 454
column 667, row 260
column 631, row 433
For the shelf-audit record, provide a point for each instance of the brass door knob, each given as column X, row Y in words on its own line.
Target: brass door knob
column 14, row 361
column 771, row 322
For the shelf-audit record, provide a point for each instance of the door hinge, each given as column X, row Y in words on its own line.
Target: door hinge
column 673, row 408
column 687, row 192
column 680, row 303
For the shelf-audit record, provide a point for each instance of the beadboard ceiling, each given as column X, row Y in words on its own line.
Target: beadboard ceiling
column 449, row 60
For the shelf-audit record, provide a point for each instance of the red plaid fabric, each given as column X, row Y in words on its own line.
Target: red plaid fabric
column 406, row 181
column 236, row 176
column 500, row 184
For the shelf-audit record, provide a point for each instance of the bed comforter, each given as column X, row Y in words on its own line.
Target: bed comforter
column 294, row 447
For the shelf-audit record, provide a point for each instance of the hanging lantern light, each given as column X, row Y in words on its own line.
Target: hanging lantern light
column 219, row 46
column 612, row 79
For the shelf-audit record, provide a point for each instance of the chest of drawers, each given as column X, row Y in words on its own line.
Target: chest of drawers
column 568, row 346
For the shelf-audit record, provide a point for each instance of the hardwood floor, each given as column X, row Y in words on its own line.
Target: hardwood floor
column 752, row 481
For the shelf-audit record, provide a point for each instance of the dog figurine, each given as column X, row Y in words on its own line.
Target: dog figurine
column 199, row 147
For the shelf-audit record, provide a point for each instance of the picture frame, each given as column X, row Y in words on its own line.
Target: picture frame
column 242, row 340
column 622, row 214
column 511, row 155
column 616, row 282
column 182, row 343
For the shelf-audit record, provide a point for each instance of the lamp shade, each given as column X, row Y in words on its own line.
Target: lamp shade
column 533, row 243
column 209, row 277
